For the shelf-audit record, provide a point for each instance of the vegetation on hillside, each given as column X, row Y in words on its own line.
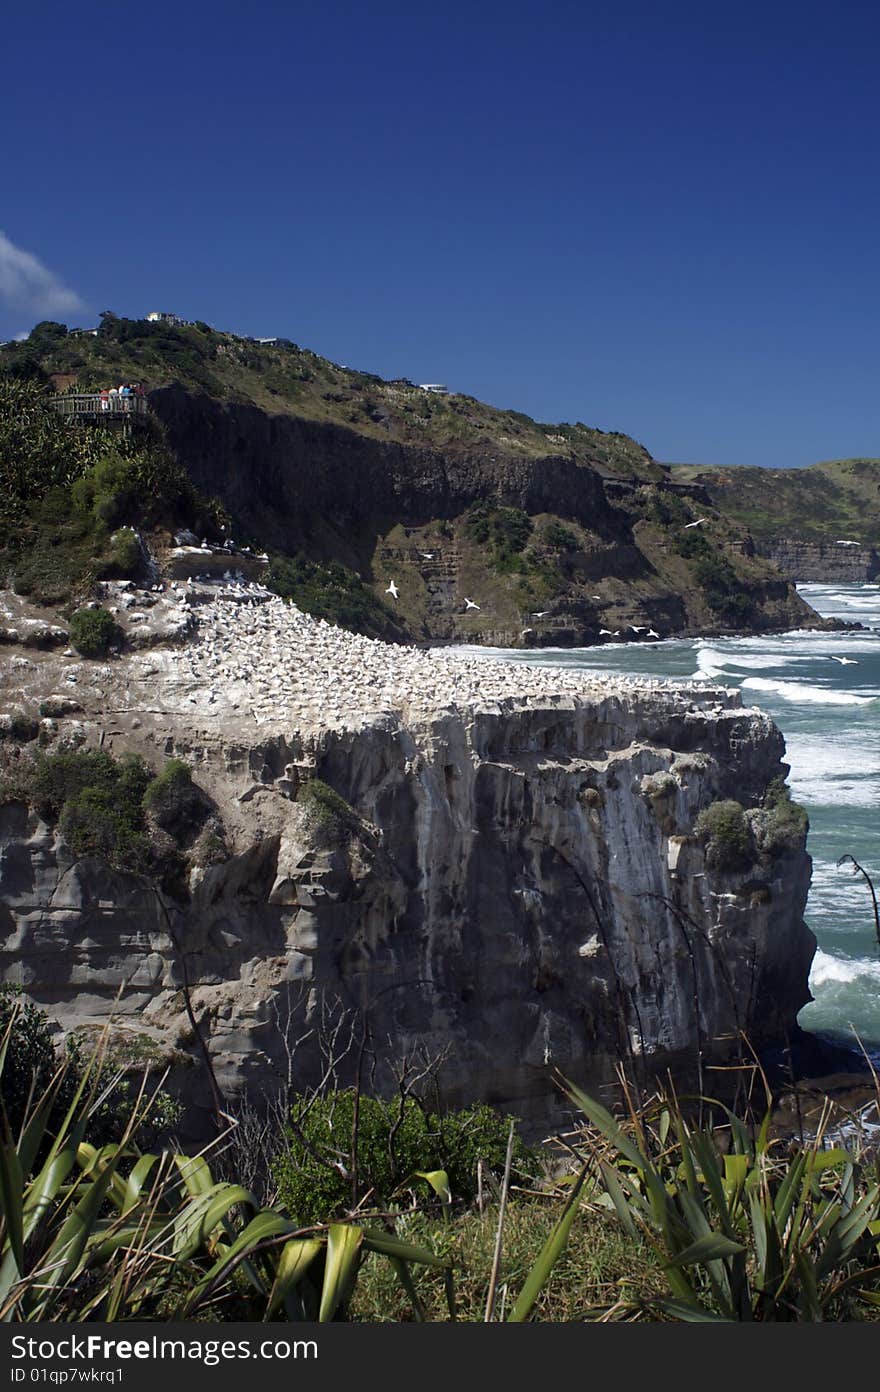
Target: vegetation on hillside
column 71, row 497
column 826, row 503
column 334, row 593
column 286, row 377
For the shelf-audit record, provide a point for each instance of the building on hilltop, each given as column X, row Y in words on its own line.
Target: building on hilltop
column 437, row 387
column 273, row 342
column 82, row 333
column 158, row 317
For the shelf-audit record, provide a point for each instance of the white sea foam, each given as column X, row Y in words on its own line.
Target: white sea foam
column 835, row 769
column 811, row 695
column 830, row 970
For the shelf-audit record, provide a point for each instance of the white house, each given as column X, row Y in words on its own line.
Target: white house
column 156, row 317
column 436, row 387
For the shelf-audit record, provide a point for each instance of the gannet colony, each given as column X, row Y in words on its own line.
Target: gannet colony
column 254, row 655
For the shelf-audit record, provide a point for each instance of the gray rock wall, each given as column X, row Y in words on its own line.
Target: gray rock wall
column 523, row 894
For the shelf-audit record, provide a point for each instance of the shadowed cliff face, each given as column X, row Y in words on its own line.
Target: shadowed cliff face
column 521, row 890
column 278, row 472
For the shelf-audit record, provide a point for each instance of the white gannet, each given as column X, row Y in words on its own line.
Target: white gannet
column 637, row 628
column 392, row 590
column 540, row 613
column 845, row 661
column 652, row 633
column 469, row 604
column 695, row 524
column 427, row 555
column 605, row 630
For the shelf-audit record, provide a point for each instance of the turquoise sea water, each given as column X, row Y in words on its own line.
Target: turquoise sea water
column 823, row 691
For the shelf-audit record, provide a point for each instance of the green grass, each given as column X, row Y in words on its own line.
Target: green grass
column 601, row 1265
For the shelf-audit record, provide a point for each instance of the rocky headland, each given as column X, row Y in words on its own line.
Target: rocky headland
column 497, row 865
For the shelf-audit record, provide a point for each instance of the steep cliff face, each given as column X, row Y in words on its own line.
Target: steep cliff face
column 285, row 475
column 602, row 552
column 519, row 890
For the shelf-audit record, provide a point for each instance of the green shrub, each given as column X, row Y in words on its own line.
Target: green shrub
column 92, row 631
column 785, row 824
column 395, row 1140
column 328, row 816
column 30, row 1054
column 505, row 530
column 20, row 728
column 97, row 823
column 559, row 538
column 332, row 592
column 173, row 801
column 58, row 777
column 724, row 830
column 124, row 556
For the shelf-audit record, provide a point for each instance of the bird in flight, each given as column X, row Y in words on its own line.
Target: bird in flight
column 695, row 524
column 427, row 555
column 540, row 613
column 652, row 633
column 845, row 661
column 392, row 590
column 637, row 628
column 469, row 604
column 605, row 630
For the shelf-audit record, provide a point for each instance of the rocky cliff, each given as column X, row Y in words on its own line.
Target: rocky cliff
column 560, row 552
column 511, row 881
column 829, row 562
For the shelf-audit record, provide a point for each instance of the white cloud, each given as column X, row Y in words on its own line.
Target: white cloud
column 27, row 284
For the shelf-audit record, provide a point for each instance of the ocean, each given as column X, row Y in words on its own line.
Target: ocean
column 823, row 691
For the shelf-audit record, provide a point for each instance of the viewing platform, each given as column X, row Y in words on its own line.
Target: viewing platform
column 124, row 411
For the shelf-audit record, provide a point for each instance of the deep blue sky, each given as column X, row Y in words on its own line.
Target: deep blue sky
column 660, row 218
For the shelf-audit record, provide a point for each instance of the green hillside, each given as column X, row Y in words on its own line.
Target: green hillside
column 561, row 535
column 288, row 378
column 836, row 500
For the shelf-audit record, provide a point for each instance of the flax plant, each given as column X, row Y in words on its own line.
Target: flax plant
column 108, row 1233
column 746, row 1230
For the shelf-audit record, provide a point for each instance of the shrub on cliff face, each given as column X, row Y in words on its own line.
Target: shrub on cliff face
column 101, row 805
column 328, row 817
column 95, row 823
column 724, row 830
column 92, row 631
column 780, row 825
column 505, row 530
column 174, row 801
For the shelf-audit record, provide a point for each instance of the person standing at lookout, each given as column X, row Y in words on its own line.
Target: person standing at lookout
column 105, row 399
column 125, row 395
column 113, row 397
